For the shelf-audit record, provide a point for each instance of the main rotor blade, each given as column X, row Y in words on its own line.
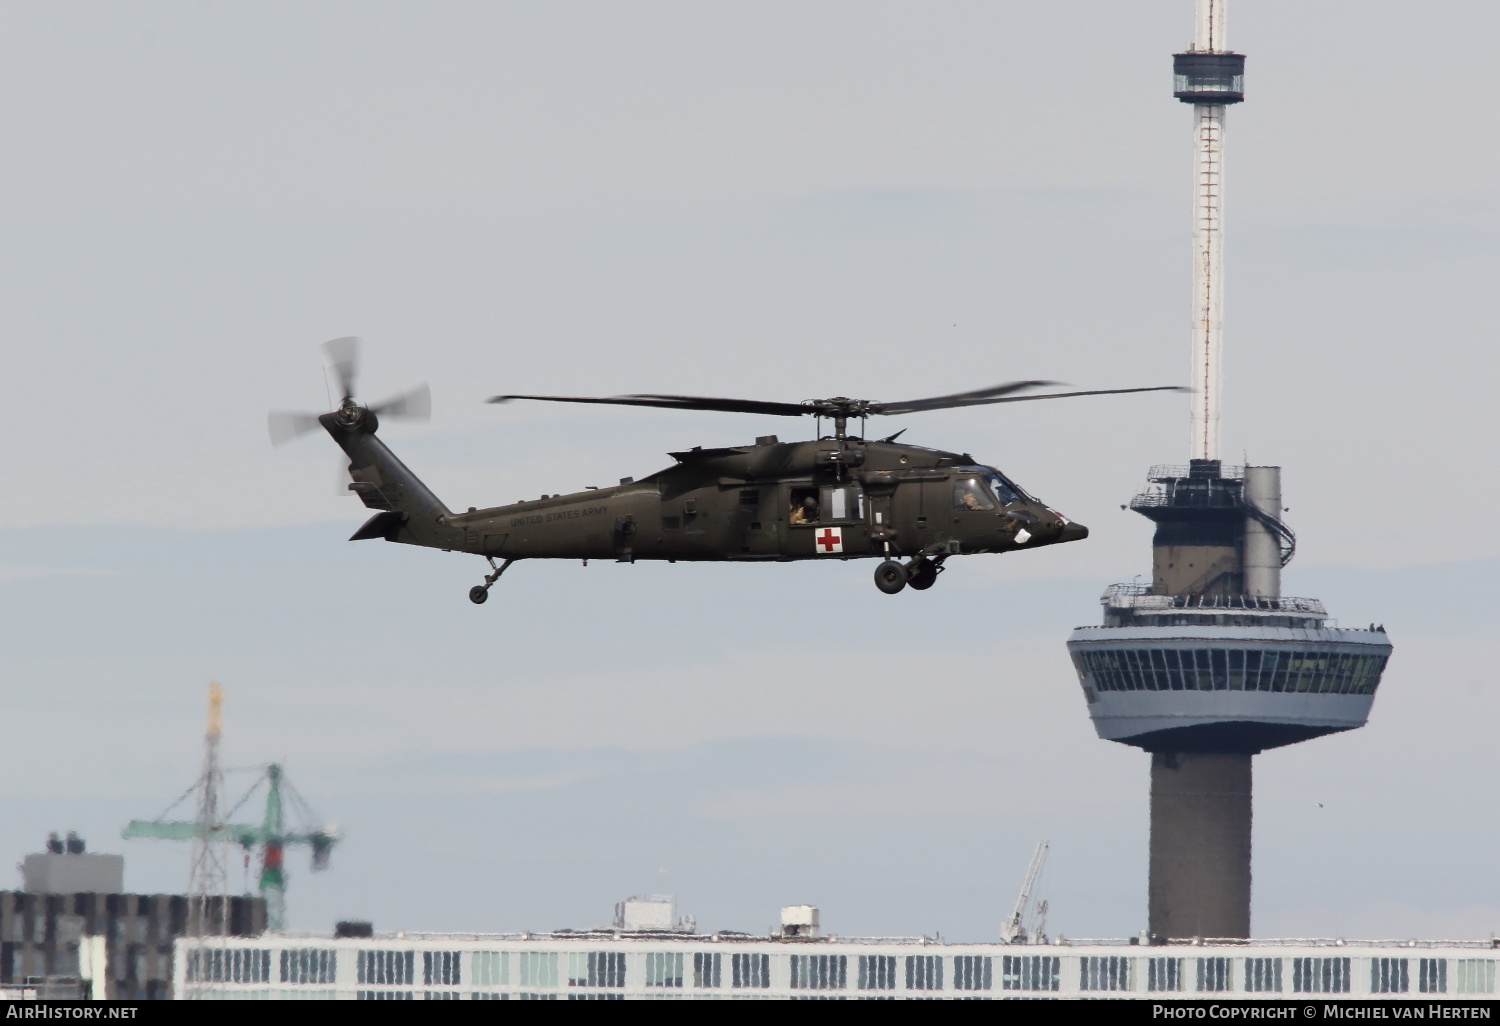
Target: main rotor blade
column 943, row 402
column 284, row 427
column 675, row 402
column 885, row 408
column 415, row 403
column 342, row 355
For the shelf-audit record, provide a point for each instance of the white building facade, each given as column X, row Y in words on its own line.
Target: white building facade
column 618, row 965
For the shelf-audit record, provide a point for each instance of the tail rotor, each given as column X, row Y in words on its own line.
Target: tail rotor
column 341, row 357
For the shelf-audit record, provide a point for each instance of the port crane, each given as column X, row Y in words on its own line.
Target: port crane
column 1015, row 929
column 272, row 834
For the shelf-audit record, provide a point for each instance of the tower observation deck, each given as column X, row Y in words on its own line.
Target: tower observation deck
column 1209, row 664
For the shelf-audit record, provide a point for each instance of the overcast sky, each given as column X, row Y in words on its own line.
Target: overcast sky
column 770, row 200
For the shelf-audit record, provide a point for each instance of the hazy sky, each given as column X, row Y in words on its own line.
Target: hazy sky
column 773, row 200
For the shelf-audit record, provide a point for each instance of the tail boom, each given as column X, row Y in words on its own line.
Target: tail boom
column 410, row 513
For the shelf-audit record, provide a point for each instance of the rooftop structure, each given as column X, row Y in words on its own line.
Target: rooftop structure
column 1210, row 664
column 67, row 868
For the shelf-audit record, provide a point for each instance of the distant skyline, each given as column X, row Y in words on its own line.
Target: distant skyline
column 578, row 197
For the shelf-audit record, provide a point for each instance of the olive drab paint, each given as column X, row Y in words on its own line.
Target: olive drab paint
column 831, row 498
column 839, row 496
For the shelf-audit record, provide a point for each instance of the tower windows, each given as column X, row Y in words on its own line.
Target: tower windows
column 1306, row 671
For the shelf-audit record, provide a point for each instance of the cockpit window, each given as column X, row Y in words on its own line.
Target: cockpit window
column 969, row 493
column 1002, row 489
column 995, row 481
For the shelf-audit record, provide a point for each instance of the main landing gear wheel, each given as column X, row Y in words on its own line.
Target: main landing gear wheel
column 925, row 574
column 480, row 592
column 890, row 577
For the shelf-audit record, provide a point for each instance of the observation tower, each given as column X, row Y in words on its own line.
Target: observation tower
column 1210, row 664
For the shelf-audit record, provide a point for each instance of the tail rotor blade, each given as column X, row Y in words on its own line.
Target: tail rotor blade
column 342, row 355
column 284, row 427
column 417, row 404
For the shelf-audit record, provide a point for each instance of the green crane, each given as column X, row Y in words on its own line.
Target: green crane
column 272, row 835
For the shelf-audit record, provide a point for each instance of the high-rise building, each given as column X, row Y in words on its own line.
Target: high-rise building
column 1209, row 664
column 73, row 932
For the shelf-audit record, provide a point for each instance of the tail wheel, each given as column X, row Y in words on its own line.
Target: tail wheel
column 478, row 594
column 890, row 577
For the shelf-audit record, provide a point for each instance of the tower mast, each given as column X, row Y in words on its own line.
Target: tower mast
column 208, row 882
column 1211, row 78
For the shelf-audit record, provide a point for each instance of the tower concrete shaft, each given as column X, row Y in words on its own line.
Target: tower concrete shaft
column 1200, row 844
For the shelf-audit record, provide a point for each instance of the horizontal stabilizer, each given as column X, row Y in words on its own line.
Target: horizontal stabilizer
column 381, row 525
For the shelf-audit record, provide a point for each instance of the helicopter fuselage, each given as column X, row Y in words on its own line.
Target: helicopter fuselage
column 818, row 499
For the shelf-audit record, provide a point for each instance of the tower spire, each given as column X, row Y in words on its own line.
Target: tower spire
column 1210, row 77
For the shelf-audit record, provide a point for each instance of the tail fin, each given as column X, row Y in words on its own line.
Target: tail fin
column 411, row 513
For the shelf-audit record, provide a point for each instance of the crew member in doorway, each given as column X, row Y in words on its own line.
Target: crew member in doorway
column 804, row 512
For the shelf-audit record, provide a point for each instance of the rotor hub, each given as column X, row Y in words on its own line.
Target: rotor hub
column 349, row 414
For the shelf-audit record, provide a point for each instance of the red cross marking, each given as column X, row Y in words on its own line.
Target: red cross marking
column 828, row 539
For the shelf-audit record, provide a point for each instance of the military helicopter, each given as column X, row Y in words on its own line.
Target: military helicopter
column 837, row 496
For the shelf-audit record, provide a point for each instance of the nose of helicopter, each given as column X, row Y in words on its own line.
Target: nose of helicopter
column 1072, row 532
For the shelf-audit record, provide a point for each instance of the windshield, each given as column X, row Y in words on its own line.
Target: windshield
column 1007, row 492
column 994, row 481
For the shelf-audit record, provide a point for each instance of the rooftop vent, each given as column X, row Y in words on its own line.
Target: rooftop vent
column 651, row 912
column 799, row 921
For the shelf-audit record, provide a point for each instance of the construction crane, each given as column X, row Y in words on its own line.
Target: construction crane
column 1014, row 931
column 209, row 832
